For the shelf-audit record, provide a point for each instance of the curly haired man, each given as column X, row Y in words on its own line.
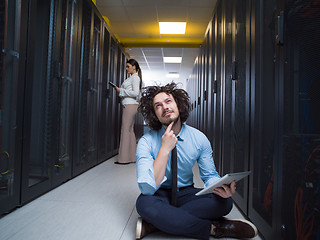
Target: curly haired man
column 166, row 109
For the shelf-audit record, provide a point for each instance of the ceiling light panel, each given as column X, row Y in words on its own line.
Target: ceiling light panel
column 172, row 27
column 172, row 59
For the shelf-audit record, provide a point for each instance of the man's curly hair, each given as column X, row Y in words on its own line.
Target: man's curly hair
column 180, row 96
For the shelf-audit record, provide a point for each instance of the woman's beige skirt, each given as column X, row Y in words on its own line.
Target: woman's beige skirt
column 128, row 144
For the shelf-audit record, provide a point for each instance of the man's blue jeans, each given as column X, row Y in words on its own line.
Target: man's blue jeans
column 192, row 217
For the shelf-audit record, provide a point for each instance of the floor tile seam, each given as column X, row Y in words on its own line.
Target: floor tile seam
column 127, row 222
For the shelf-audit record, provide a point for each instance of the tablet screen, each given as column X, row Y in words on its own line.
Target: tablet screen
column 112, row 84
column 226, row 179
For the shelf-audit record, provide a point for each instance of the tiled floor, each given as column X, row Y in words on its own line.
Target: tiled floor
column 97, row 205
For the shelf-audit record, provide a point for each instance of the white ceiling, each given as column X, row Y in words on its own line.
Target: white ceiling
column 154, row 70
column 138, row 19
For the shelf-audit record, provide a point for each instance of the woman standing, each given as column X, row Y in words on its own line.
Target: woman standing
column 129, row 92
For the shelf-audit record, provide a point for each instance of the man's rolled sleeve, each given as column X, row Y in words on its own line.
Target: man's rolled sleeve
column 207, row 168
column 147, row 183
column 145, row 172
column 211, row 181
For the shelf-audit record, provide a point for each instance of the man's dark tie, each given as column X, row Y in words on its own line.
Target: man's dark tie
column 174, row 176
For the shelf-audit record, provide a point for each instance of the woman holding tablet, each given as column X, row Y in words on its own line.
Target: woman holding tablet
column 129, row 92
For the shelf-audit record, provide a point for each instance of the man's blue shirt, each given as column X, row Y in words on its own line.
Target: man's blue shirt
column 192, row 146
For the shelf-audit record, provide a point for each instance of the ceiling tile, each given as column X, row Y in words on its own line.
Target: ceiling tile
column 201, row 3
column 124, row 28
column 200, row 14
column 133, row 51
column 143, row 65
column 140, row 59
column 196, row 29
column 172, row 67
column 136, row 3
column 109, row 3
column 142, row 14
column 171, row 3
column 154, row 66
column 190, row 52
column 145, row 29
column 114, row 13
column 154, row 59
column 152, row 51
column 172, row 14
column 172, row 52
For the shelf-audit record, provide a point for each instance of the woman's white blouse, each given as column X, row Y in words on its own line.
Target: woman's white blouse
column 129, row 90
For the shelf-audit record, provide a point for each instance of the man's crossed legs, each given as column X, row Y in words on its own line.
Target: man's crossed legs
column 195, row 216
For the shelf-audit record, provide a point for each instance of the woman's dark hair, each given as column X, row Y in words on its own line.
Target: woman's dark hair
column 133, row 62
column 180, row 96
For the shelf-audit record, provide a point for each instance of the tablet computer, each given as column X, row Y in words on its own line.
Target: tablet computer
column 226, row 179
column 112, row 84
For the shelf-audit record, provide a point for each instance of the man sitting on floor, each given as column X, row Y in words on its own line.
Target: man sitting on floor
column 165, row 109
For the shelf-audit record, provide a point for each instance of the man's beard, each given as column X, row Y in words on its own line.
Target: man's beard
column 166, row 123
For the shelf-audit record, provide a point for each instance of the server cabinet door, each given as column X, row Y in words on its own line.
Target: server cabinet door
column 104, row 98
column 199, row 89
column 9, row 59
column 300, row 138
column 219, row 88
column 202, row 87
column 210, row 83
column 205, row 79
column 196, row 93
column 39, row 145
column 93, row 89
column 113, row 96
column 117, row 104
column 64, row 58
column 263, row 118
column 226, row 83
column 240, row 79
column 192, row 93
column 85, row 150
column 214, row 92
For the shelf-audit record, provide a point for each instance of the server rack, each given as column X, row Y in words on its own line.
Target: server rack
column 265, row 87
column 56, row 105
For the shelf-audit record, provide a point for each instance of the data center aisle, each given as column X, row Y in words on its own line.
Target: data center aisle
column 97, row 205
